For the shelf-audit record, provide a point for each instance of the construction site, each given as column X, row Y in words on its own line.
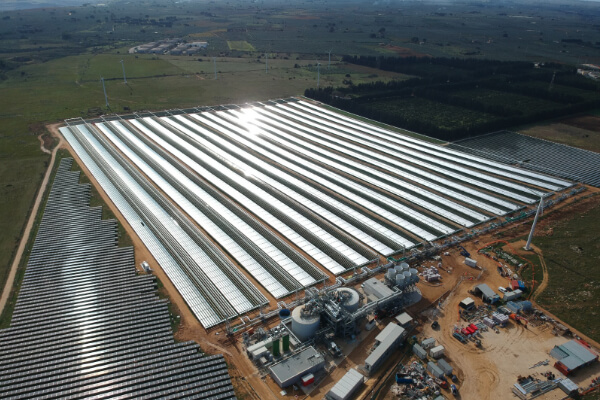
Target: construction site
column 328, row 257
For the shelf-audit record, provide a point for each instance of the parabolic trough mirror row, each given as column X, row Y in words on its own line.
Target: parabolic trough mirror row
column 242, row 203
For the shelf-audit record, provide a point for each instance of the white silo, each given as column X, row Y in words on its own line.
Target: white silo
column 305, row 323
column 398, row 268
column 414, row 276
column 404, row 266
column 400, row 281
column 349, row 299
column 391, row 274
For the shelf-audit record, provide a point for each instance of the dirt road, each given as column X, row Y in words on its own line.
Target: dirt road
column 36, row 205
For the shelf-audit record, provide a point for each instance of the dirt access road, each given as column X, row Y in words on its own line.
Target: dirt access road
column 34, row 211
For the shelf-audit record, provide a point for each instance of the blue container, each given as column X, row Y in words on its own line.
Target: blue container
column 521, row 285
column 403, row 380
column 526, row 305
column 284, row 313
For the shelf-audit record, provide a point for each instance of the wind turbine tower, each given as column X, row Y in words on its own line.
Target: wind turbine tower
column 104, row 89
column 266, row 62
column 215, row 66
column 124, row 77
column 329, row 63
column 540, row 210
column 552, row 81
column 318, row 73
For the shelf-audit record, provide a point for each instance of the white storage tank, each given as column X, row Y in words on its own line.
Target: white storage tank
column 304, row 323
column 400, row 281
column 391, row 274
column 414, row 276
column 401, row 267
column 349, row 299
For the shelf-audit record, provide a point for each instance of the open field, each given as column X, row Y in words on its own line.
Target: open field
column 581, row 132
column 571, row 248
column 443, row 116
column 240, row 45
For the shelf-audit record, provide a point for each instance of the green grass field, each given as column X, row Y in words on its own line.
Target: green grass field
column 572, row 254
column 240, row 45
column 442, row 115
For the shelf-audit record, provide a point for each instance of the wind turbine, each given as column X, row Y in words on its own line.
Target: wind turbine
column 215, row 66
column 266, row 62
column 104, row 88
column 124, row 77
column 329, row 63
column 539, row 212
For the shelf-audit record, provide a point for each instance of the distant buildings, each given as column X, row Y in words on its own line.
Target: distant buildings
column 590, row 71
column 175, row 46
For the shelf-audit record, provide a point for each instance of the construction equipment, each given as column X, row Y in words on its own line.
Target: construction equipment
column 464, row 252
column 454, row 389
column 518, row 319
column 460, row 337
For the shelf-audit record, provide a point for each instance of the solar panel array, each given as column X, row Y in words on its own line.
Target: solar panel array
column 282, row 194
column 85, row 326
column 536, row 154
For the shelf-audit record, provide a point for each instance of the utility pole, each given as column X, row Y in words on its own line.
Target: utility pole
column 104, row 89
column 552, row 82
column 124, row 77
column 318, row 74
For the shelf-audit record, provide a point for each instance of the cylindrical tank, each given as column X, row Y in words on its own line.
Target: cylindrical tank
column 391, row 274
column 407, row 276
column 284, row 313
column 351, row 299
column 400, row 281
column 398, row 268
column 304, row 325
column 404, row 266
column 414, row 276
